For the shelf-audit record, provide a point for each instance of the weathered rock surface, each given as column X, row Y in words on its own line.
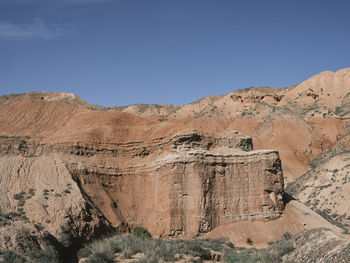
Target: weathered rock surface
column 180, row 171
column 38, row 198
column 319, row 245
column 325, row 188
column 185, row 184
column 18, row 234
column 316, row 110
column 296, row 218
column 194, row 185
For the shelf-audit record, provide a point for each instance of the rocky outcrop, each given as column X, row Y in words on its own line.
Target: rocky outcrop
column 213, row 189
column 271, row 98
column 181, row 171
column 325, row 187
column 193, row 185
column 39, row 198
column 182, row 185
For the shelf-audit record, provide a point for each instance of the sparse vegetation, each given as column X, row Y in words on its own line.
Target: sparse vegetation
column 196, row 250
column 141, row 232
column 249, row 241
column 38, row 226
column 6, row 218
column 287, row 235
column 12, row 257
column 326, row 214
column 19, row 196
column 31, row 192
column 47, row 255
column 65, row 237
column 46, row 194
column 313, row 108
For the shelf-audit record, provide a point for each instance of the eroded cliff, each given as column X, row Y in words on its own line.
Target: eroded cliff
column 192, row 185
column 76, row 169
column 181, row 185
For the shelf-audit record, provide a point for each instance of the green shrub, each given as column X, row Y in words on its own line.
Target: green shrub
column 10, row 215
column 84, row 252
column 19, row 196
column 249, row 241
column 198, row 251
column 38, row 226
column 287, row 235
column 47, row 255
column 231, row 255
column 128, row 252
column 131, row 245
column 32, row 191
column 101, row 257
column 107, row 246
column 12, row 257
column 141, row 232
column 230, row 245
column 65, row 237
column 283, row 247
column 214, row 244
column 267, row 257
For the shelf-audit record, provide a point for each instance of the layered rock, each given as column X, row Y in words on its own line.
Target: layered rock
column 177, row 170
column 193, row 185
column 183, row 184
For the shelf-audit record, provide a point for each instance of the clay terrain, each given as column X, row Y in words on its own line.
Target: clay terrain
column 251, row 166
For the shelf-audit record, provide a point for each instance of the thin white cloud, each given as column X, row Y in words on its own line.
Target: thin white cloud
column 35, row 29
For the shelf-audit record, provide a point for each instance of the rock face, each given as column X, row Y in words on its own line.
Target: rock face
column 209, row 190
column 182, row 185
column 180, row 171
column 316, row 110
column 325, row 188
column 41, row 205
column 195, row 184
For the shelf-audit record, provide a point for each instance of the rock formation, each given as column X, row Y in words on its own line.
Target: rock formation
column 39, row 194
column 194, row 184
column 74, row 169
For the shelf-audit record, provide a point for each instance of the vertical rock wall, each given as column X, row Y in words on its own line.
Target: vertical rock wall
column 194, row 185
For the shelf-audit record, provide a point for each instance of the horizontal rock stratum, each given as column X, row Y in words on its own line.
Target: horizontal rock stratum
column 193, row 184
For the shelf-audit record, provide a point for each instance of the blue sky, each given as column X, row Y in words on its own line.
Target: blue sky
column 120, row 52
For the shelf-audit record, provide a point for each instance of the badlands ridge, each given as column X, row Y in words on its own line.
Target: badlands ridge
column 71, row 171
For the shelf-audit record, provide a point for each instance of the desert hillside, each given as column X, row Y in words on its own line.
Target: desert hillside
column 252, row 164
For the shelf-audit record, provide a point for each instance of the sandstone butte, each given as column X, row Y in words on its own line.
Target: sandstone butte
column 69, row 168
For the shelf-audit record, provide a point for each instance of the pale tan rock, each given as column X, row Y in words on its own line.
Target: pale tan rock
column 193, row 185
column 42, row 191
column 296, row 218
